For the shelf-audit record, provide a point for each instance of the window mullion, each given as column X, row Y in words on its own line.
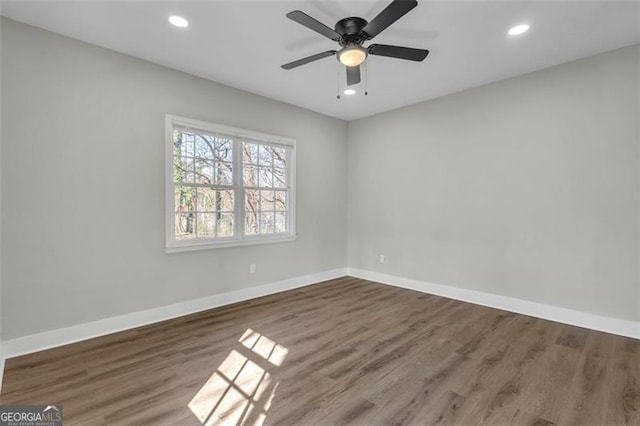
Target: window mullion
column 287, row 185
column 238, row 189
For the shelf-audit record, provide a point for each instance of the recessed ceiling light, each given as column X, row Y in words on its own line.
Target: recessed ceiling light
column 178, row 21
column 519, row 29
column 349, row 92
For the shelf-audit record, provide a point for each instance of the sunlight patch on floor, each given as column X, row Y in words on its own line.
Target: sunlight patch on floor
column 241, row 389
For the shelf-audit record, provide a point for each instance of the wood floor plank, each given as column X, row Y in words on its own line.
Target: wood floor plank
column 624, row 386
column 549, row 383
column 573, row 337
column 445, row 410
column 411, row 398
column 349, row 411
column 588, row 394
column 345, row 351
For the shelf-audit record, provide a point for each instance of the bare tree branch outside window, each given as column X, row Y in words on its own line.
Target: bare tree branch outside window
column 206, row 194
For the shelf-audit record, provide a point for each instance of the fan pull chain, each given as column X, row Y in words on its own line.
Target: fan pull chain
column 338, row 84
column 366, row 79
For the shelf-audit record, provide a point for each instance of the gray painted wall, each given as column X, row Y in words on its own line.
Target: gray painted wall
column 83, row 185
column 1, row 345
column 527, row 188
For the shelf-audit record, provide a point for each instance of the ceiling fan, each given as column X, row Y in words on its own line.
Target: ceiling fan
column 351, row 33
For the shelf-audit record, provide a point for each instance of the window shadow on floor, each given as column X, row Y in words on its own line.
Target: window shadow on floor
column 241, row 389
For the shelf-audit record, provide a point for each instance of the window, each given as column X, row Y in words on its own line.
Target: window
column 227, row 186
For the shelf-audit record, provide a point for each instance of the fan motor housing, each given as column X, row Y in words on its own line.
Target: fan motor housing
column 351, row 30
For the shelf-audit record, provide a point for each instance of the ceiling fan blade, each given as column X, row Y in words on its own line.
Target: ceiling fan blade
column 396, row 10
column 313, row 24
column 353, row 75
column 399, row 52
column 308, row 59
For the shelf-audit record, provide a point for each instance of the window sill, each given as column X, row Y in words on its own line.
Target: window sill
column 227, row 244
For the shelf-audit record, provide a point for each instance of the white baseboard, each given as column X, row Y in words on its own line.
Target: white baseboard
column 62, row 336
column 554, row 313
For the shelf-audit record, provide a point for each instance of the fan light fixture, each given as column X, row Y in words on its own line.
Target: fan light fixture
column 349, row 92
column 352, row 56
column 519, row 29
column 178, row 21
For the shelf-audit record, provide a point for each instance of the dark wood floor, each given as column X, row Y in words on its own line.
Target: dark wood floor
column 346, row 351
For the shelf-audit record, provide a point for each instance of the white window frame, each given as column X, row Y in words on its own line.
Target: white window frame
column 239, row 239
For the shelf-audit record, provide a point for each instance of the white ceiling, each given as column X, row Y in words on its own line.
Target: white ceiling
column 243, row 43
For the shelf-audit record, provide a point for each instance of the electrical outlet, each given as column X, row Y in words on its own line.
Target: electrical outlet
column 381, row 260
column 252, row 268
